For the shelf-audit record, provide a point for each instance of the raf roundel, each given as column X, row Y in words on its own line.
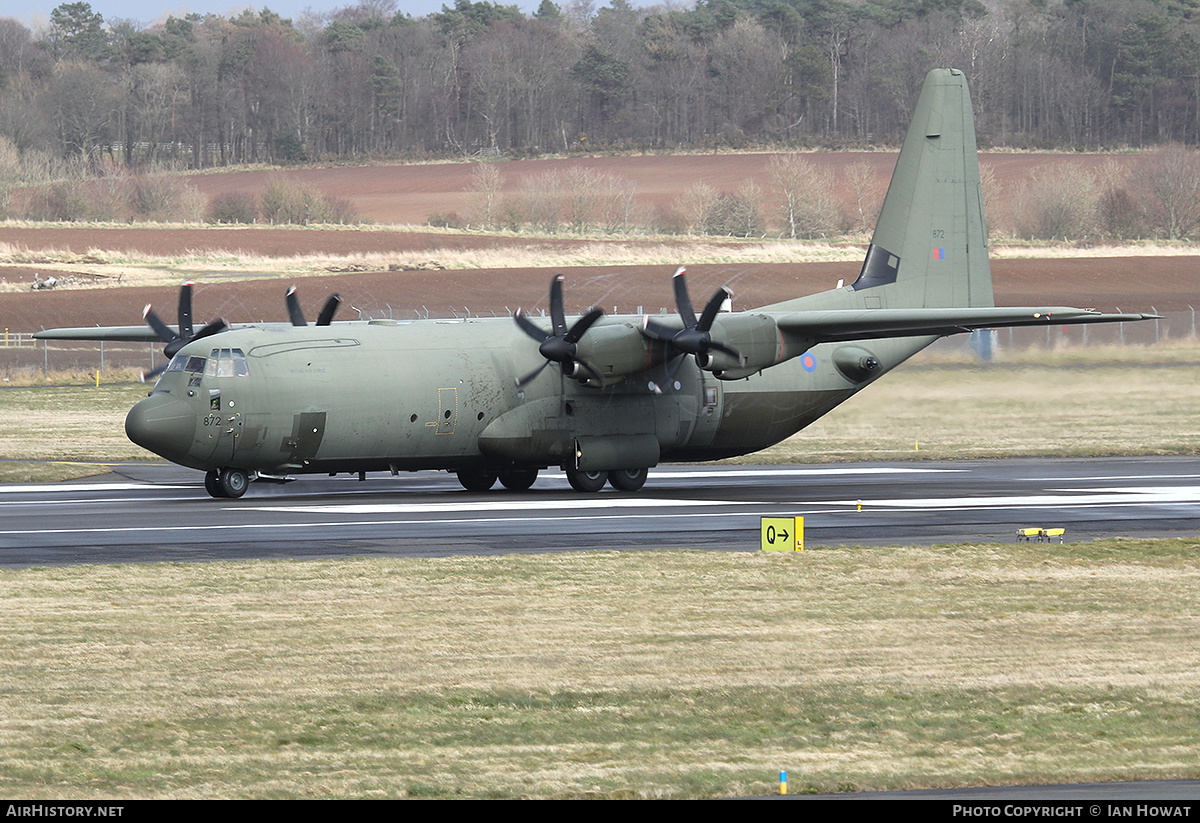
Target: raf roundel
column 808, row 362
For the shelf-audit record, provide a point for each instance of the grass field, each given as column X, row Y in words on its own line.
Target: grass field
column 634, row 674
column 656, row 674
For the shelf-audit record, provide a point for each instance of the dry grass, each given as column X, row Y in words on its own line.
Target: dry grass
column 122, row 268
column 1069, row 402
column 1025, row 249
column 136, row 269
column 663, row 674
column 69, row 423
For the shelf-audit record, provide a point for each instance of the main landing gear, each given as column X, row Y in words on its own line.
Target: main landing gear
column 625, row 480
column 516, row 478
column 519, row 478
column 226, row 482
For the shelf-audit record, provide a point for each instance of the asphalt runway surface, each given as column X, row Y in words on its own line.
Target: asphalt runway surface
column 152, row 512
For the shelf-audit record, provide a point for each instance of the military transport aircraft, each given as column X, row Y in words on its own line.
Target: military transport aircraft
column 474, row 396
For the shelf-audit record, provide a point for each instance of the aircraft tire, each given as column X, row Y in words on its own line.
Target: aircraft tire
column 476, row 480
column 212, row 483
column 234, row 482
column 582, row 481
column 628, row 480
column 518, row 479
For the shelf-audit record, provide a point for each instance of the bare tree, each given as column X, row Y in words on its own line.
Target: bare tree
column 1056, row 204
column 484, row 194
column 866, row 189
column 1172, row 176
column 695, row 204
column 543, row 200
column 804, row 196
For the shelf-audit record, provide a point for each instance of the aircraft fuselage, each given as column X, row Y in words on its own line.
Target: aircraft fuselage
column 442, row 395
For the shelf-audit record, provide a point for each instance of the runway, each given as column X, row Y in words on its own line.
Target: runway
column 159, row 512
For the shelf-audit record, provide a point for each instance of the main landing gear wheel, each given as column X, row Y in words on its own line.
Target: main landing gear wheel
column 518, row 479
column 582, row 481
column 476, row 480
column 628, row 480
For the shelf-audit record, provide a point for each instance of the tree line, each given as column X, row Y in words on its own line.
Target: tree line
column 482, row 77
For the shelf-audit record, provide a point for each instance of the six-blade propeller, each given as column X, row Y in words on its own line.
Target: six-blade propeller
column 559, row 345
column 695, row 337
column 186, row 334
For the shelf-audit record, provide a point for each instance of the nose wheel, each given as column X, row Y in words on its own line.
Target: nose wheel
column 227, row 482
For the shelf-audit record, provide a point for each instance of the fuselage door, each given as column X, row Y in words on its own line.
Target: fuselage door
column 447, row 410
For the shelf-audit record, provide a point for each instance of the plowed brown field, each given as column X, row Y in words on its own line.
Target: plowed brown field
column 410, row 193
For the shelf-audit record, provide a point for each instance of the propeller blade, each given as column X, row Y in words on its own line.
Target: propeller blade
column 529, row 327
column 710, row 310
column 293, row 307
column 732, row 352
column 557, row 316
column 185, row 310
column 329, row 309
column 657, row 331
column 682, row 301
column 214, row 327
column 164, row 332
column 521, row 381
column 583, row 324
column 155, row 372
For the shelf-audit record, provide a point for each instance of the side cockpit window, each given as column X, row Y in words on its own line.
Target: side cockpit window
column 227, row 363
column 187, row 363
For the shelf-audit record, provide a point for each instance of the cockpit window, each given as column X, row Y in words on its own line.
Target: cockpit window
column 188, row 363
column 227, row 363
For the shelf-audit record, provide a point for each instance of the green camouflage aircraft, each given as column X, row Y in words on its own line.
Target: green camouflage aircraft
column 474, row 396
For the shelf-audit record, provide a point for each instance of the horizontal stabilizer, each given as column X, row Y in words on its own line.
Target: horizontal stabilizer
column 862, row 324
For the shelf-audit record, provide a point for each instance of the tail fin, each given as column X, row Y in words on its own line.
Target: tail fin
column 930, row 247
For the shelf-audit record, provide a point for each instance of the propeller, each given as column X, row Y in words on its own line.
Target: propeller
column 559, row 345
column 323, row 319
column 695, row 337
column 177, row 340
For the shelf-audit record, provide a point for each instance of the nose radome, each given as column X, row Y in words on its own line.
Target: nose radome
column 162, row 424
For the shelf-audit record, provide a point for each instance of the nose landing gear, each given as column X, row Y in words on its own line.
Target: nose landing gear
column 227, row 482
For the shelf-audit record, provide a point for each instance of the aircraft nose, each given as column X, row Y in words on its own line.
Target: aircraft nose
column 162, row 424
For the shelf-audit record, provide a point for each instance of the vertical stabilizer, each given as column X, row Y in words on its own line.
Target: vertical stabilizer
column 929, row 248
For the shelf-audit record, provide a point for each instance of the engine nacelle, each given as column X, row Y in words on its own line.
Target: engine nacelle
column 755, row 337
column 615, row 351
